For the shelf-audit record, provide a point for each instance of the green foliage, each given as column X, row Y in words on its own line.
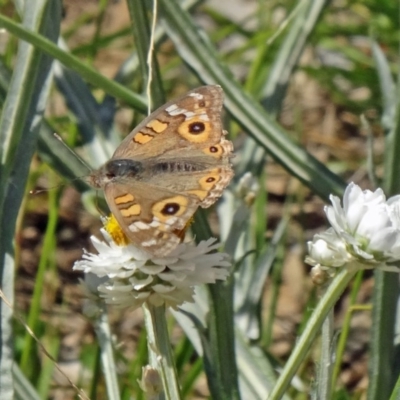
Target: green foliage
column 282, row 65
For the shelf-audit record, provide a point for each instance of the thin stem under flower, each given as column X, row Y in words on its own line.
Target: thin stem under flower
column 325, row 368
column 334, row 291
column 160, row 352
column 103, row 333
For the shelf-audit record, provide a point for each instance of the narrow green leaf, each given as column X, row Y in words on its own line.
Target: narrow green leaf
column 87, row 72
column 141, row 28
column 202, row 58
column 160, row 350
column 303, row 344
column 382, row 374
column 34, row 312
column 23, row 388
column 274, row 89
column 104, row 336
column 387, row 86
column 19, row 125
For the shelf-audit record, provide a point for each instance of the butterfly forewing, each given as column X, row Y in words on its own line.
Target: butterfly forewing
column 174, row 161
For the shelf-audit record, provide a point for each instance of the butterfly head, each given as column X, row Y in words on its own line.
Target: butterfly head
column 113, row 170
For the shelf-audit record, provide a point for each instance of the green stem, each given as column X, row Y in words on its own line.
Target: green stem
column 160, row 352
column 224, row 384
column 313, row 326
column 103, row 333
column 382, row 370
column 269, row 135
column 34, row 311
column 219, row 348
column 87, row 72
column 345, row 329
column 138, row 10
column 324, row 381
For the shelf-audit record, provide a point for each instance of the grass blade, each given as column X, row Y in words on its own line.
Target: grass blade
column 248, row 113
column 382, row 374
column 274, row 90
column 87, row 72
column 19, row 125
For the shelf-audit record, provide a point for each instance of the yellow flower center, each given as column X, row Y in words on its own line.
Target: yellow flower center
column 112, row 227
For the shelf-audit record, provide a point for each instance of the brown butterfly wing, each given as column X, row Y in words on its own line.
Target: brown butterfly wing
column 176, row 160
column 151, row 217
column 186, row 123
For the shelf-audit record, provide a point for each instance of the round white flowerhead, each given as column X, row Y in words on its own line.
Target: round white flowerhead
column 365, row 231
column 130, row 276
column 327, row 250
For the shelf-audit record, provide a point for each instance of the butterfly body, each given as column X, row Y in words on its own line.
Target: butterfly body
column 176, row 160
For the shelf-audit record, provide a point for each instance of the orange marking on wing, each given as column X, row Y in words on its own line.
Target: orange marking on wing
column 134, row 209
column 157, row 126
column 214, row 150
column 195, row 130
column 168, row 208
column 126, row 198
column 142, row 138
column 208, row 182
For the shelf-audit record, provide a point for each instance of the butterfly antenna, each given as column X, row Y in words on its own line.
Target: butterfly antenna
column 80, row 159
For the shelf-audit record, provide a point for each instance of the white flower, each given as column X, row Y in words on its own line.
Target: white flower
column 367, row 223
column 134, row 277
column 92, row 304
column 365, row 232
column 327, row 250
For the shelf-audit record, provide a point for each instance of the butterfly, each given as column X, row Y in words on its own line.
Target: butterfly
column 174, row 161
